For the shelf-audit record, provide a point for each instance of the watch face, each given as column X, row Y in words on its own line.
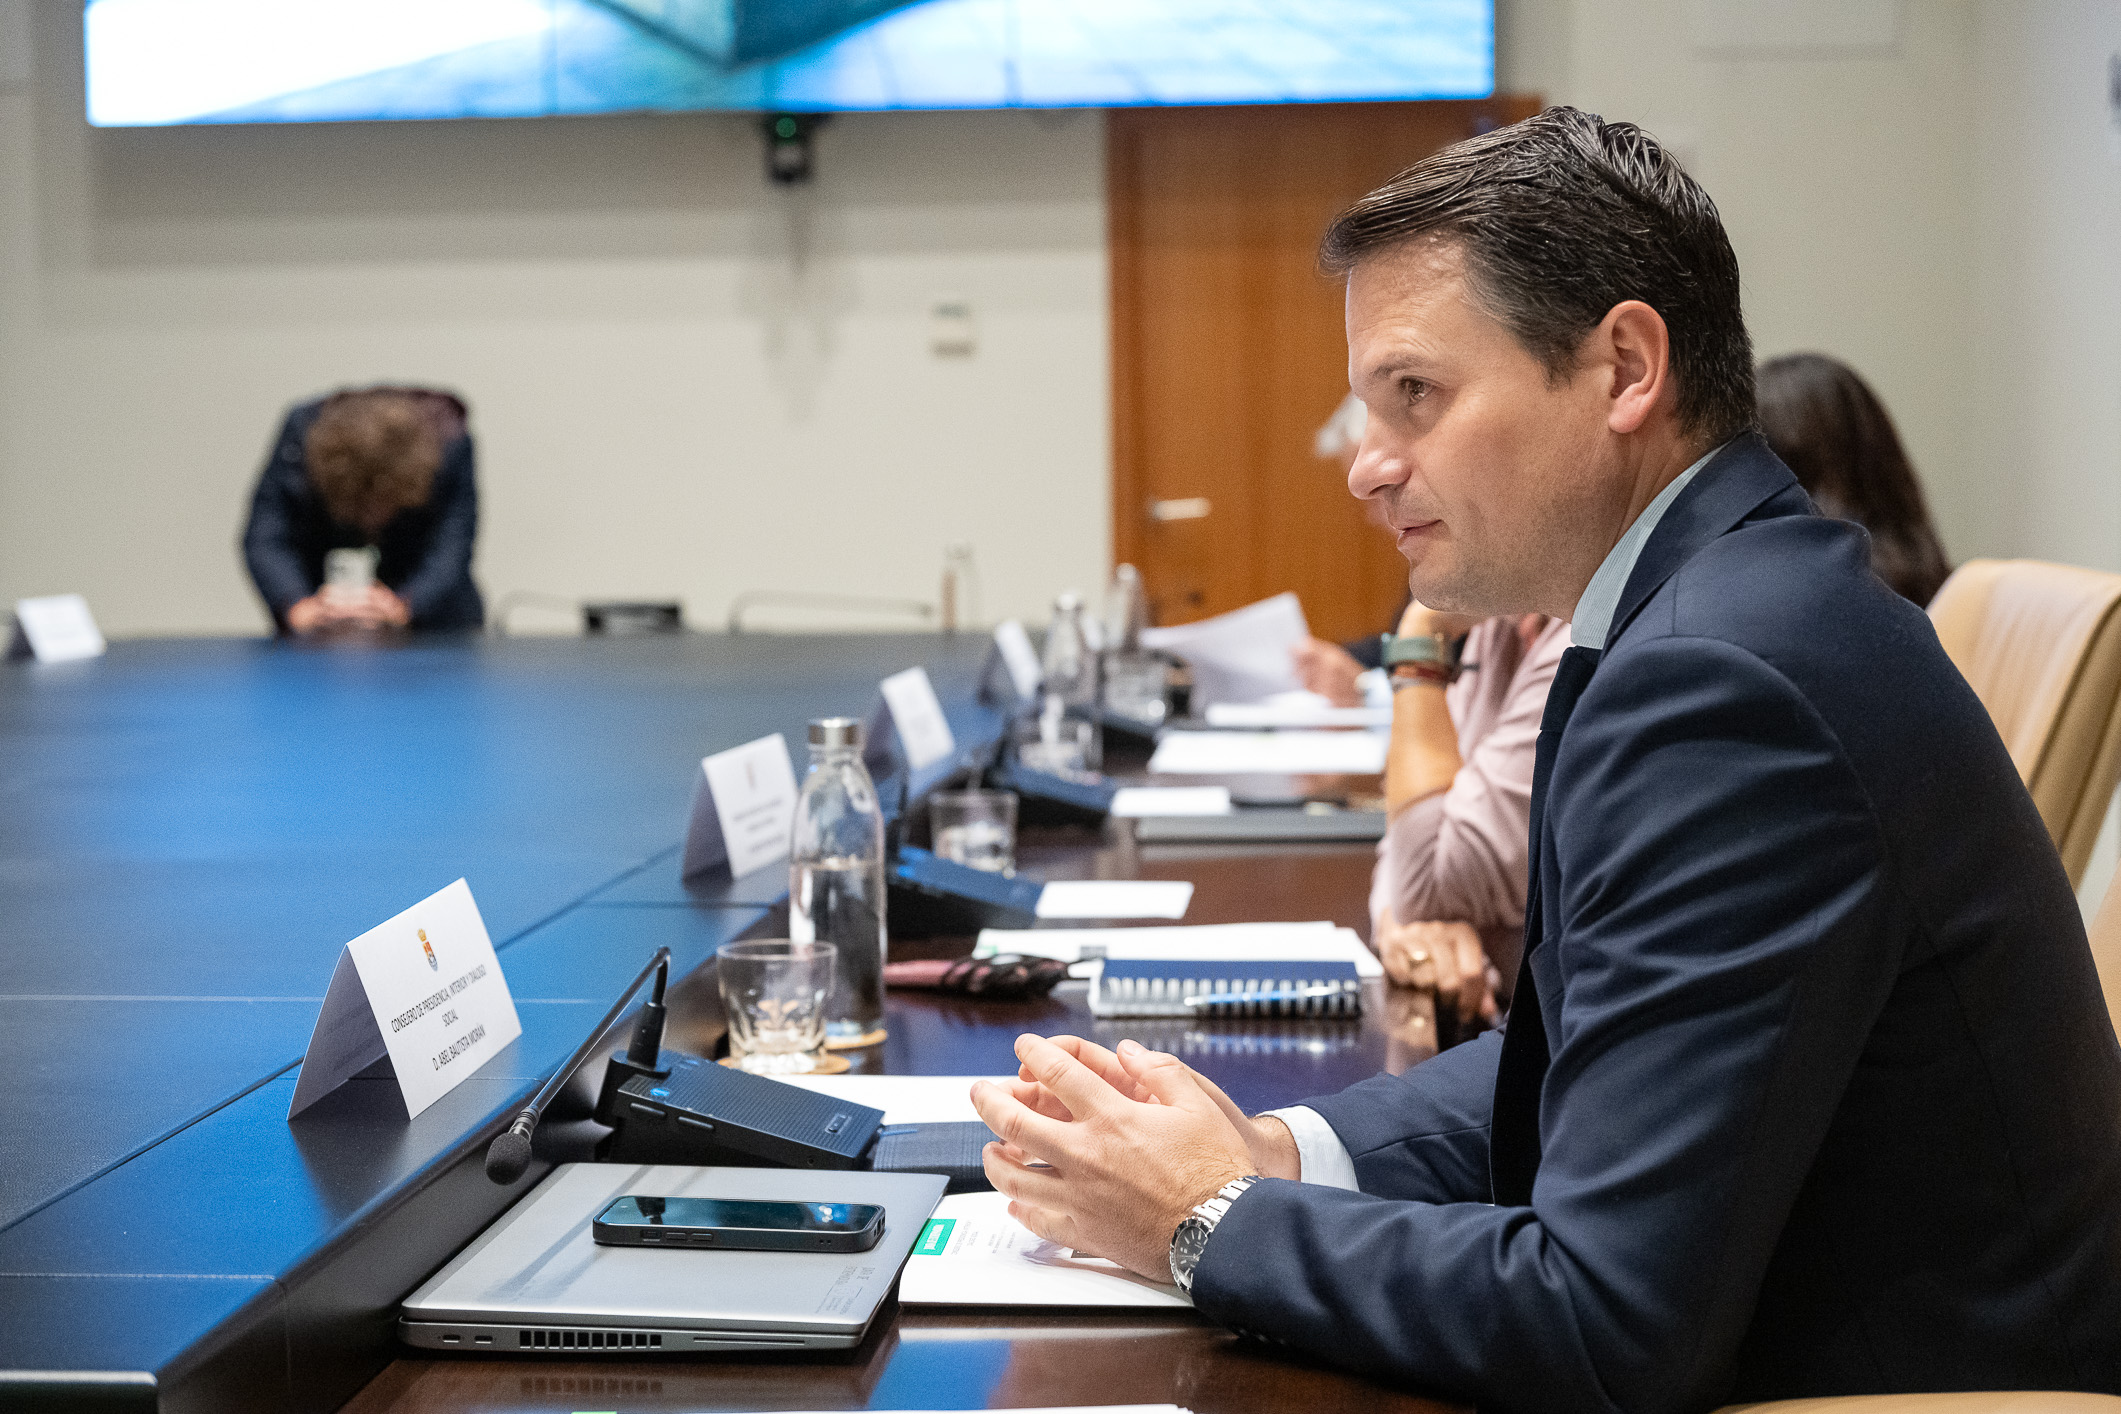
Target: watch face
column 1187, row 1244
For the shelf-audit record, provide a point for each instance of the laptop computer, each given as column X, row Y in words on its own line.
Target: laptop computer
column 535, row 1281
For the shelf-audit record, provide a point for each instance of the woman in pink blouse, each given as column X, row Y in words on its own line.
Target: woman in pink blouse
column 1447, row 896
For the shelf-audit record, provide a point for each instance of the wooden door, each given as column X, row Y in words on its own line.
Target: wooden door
column 1228, row 350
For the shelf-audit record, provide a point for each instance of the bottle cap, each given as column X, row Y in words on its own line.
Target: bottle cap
column 836, row 731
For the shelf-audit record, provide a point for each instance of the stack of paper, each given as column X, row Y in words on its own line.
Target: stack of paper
column 1211, row 942
column 1140, row 802
column 1115, row 898
column 1291, row 753
column 1296, row 709
column 1241, row 656
column 972, row 1253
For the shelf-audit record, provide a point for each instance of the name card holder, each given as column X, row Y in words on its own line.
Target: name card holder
column 423, row 991
column 743, row 809
column 1012, row 675
column 57, row 628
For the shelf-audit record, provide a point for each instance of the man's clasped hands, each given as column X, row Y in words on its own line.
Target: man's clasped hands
column 1106, row 1152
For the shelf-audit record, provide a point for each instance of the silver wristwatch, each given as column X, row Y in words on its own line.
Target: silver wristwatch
column 1190, row 1238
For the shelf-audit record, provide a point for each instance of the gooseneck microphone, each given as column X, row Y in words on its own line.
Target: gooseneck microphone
column 508, row 1157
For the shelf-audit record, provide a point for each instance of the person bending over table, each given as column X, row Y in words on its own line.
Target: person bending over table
column 388, row 468
column 1466, row 698
column 1808, row 1086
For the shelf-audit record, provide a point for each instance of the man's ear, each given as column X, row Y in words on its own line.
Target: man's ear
column 1638, row 349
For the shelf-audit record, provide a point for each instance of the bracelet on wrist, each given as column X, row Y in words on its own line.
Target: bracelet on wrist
column 1414, row 674
column 1423, row 658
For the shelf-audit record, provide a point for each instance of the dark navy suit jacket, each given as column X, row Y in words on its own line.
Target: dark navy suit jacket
column 1834, row 1105
column 425, row 551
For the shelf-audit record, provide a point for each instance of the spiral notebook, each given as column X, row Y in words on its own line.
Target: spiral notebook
column 1165, row 987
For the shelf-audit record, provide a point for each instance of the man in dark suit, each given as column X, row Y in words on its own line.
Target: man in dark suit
column 386, row 471
column 1807, row 1086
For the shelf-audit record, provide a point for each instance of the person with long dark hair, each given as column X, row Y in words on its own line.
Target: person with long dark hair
column 1829, row 428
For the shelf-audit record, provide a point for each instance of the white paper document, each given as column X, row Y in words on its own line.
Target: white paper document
column 1241, row 656
column 972, row 1253
column 923, row 731
column 904, row 1099
column 1291, row 753
column 1138, row 802
column 1209, row 942
column 743, row 808
column 1115, row 898
column 1296, row 709
column 425, row 989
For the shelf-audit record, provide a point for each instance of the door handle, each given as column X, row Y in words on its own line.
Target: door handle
column 1187, row 508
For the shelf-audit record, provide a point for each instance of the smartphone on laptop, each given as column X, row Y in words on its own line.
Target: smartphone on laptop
column 740, row 1224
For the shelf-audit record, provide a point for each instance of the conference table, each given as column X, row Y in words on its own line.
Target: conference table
column 206, row 822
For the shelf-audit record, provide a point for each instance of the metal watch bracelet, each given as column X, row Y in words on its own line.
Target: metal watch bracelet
column 1190, row 1239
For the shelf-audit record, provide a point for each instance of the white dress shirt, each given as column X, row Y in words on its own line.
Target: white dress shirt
column 1323, row 1159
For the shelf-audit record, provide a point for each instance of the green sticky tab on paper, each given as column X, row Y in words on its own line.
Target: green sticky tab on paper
column 935, row 1237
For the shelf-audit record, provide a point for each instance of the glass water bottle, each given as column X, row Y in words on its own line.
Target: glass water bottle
column 1070, row 701
column 1132, row 679
column 836, row 879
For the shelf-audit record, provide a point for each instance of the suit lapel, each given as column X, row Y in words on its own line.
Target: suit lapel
column 1739, row 481
column 1513, row 1127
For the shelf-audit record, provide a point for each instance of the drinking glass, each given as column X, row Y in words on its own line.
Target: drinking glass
column 1064, row 747
column 1134, row 686
column 773, row 994
column 975, row 827
column 348, row 573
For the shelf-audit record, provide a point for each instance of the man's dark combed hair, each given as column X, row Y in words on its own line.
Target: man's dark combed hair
column 1559, row 218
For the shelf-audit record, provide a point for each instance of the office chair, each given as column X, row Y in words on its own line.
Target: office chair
column 2041, row 645
column 2106, row 951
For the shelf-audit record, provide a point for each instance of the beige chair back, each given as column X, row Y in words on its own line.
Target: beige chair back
column 2041, row 645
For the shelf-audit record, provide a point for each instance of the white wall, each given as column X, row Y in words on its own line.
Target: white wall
column 2047, row 380
column 1942, row 210
column 686, row 383
column 1843, row 173
column 683, row 382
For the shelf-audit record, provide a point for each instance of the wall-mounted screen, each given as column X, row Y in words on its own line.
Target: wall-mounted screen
column 299, row 61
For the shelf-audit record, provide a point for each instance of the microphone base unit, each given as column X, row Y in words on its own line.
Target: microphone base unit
column 930, row 895
column 618, row 1071
column 1048, row 798
column 704, row 1113
column 709, row 1114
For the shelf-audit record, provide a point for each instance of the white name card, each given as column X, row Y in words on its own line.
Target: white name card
column 57, row 628
column 743, row 808
column 1019, row 657
column 424, row 990
column 917, row 715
